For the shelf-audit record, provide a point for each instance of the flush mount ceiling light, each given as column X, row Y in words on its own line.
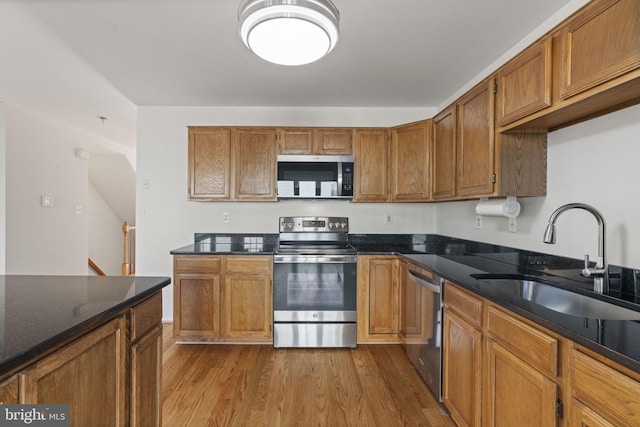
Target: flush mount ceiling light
column 289, row 32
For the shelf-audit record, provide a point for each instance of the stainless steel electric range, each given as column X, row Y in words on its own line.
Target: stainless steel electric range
column 314, row 284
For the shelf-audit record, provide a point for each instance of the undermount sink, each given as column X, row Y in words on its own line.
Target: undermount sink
column 554, row 298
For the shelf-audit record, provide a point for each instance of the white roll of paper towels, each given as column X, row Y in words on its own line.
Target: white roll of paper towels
column 509, row 207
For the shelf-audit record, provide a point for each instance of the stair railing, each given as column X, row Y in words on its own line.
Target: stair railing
column 95, row 268
column 129, row 256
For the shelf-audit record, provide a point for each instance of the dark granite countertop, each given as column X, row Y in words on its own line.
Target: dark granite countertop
column 457, row 259
column 615, row 339
column 229, row 244
column 41, row 313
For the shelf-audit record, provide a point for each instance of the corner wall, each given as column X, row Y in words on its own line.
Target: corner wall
column 41, row 161
column 594, row 162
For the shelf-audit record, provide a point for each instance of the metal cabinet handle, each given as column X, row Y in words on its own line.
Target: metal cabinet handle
column 427, row 282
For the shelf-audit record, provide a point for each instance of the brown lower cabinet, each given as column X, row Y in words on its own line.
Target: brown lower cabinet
column 88, row 375
column 223, row 297
column 462, row 356
column 378, row 299
column 502, row 369
column 110, row 376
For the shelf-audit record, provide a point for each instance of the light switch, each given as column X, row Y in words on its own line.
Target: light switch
column 46, row 201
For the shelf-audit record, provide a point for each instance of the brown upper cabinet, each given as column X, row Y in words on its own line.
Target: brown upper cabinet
column 254, row 163
column 209, row 163
column 443, row 166
column 471, row 161
column 475, row 150
column 593, row 59
column 232, row 163
column 599, row 44
column 338, row 141
column 524, row 84
column 410, row 162
column 371, row 168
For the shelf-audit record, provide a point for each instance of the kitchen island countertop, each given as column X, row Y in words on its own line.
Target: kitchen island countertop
column 42, row 313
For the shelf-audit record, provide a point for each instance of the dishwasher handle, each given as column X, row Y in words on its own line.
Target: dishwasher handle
column 433, row 284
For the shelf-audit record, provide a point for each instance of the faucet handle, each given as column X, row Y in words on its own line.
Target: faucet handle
column 586, row 271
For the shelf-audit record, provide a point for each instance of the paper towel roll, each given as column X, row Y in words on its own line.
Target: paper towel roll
column 498, row 207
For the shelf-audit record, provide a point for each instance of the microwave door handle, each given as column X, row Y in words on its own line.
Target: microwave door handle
column 339, row 165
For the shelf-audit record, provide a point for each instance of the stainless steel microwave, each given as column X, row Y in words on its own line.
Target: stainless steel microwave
column 315, row 177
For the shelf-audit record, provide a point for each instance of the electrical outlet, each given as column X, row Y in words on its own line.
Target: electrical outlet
column 78, row 209
column 145, row 183
column 225, row 217
column 513, row 225
column 478, row 222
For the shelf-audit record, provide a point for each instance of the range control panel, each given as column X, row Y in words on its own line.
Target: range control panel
column 316, row 224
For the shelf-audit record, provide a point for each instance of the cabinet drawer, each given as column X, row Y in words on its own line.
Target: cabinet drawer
column 601, row 387
column 196, row 264
column 248, row 264
column 145, row 316
column 532, row 345
column 466, row 305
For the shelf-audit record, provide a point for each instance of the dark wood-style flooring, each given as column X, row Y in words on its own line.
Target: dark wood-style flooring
column 257, row 385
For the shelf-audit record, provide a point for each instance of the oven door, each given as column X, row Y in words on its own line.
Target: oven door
column 314, row 288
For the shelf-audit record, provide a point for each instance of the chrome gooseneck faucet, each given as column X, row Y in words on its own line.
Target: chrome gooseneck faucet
column 600, row 273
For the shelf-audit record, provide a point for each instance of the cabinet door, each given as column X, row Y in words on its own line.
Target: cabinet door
column 378, row 299
column 383, row 296
column 9, row 391
column 295, row 141
column 246, row 310
column 254, row 154
column 196, row 299
column 600, row 43
column 371, row 165
column 516, row 394
column 88, row 375
column 443, row 176
column 475, row 139
column 410, row 146
column 146, row 380
column 334, row 141
column 462, row 369
column 583, row 416
column 524, row 84
column 209, row 163
column 607, row 391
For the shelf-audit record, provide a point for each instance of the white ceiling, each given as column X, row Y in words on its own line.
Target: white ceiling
column 391, row 53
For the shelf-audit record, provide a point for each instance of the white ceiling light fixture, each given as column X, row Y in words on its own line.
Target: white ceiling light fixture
column 289, row 32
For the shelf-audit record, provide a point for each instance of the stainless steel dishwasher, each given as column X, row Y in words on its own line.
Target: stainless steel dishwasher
column 424, row 347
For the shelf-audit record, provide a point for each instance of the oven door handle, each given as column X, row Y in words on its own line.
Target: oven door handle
column 300, row 259
column 434, row 285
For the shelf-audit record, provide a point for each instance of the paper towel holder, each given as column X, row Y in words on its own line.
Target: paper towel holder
column 509, row 208
column 512, row 206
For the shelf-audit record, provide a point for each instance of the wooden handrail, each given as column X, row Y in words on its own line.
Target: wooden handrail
column 96, row 268
column 129, row 256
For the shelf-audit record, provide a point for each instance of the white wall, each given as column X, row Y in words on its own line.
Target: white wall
column 3, row 186
column 595, row 162
column 166, row 220
column 41, row 161
column 105, row 234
